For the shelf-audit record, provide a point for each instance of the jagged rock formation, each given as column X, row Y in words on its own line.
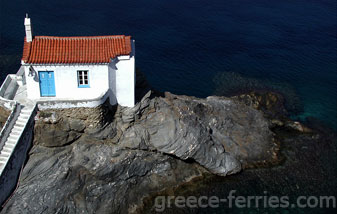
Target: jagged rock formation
column 215, row 132
column 106, row 159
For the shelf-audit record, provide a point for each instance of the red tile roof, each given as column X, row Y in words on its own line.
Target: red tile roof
column 65, row 50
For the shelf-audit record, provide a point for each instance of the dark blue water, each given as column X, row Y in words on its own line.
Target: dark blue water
column 199, row 48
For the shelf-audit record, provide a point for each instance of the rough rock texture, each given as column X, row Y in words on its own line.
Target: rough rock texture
column 4, row 113
column 92, row 177
column 105, row 160
column 214, row 131
column 309, row 168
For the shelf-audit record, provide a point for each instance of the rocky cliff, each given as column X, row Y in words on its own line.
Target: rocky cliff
column 108, row 159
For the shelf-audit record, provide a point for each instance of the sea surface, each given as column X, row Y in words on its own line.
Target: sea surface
column 201, row 48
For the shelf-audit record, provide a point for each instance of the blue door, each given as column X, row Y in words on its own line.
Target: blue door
column 47, row 83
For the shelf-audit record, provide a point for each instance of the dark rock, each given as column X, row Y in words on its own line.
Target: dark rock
column 205, row 130
column 297, row 126
column 110, row 165
column 92, row 177
column 309, row 169
column 270, row 103
column 54, row 135
column 102, row 133
column 77, row 125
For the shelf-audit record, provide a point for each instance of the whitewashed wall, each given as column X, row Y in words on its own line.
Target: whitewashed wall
column 66, row 84
column 126, row 79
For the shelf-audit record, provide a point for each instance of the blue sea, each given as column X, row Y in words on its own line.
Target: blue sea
column 201, row 48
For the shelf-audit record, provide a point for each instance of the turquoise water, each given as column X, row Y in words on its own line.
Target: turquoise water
column 183, row 46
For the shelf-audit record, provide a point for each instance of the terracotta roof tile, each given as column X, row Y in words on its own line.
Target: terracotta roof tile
column 65, row 50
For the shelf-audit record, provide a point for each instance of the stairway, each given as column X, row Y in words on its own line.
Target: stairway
column 14, row 136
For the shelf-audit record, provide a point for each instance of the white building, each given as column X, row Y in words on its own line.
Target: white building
column 79, row 68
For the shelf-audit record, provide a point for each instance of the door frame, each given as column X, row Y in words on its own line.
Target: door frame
column 53, row 82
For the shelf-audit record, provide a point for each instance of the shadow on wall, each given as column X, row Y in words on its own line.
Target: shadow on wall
column 112, row 81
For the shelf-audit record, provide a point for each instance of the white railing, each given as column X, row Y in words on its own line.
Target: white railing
column 6, row 84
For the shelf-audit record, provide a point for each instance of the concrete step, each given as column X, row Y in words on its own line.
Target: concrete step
column 25, row 114
column 17, row 128
column 26, row 110
column 9, row 146
column 22, row 120
column 24, row 117
column 8, row 150
column 4, row 158
column 5, row 154
column 12, row 139
column 14, row 133
column 21, row 123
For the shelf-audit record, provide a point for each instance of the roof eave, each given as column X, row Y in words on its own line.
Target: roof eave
column 64, row 64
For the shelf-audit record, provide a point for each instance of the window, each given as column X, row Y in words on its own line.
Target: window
column 83, row 79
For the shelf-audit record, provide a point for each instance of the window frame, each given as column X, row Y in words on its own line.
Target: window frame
column 81, row 77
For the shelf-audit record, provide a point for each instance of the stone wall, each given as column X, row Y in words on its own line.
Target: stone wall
column 58, row 127
column 4, row 113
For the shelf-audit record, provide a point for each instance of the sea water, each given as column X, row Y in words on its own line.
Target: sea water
column 200, row 48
